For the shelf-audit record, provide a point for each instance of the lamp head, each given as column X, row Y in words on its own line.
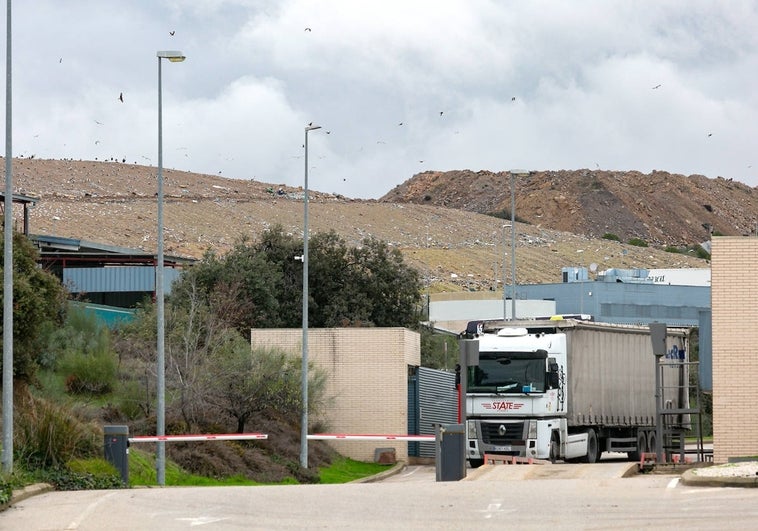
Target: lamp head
column 312, row 127
column 174, row 56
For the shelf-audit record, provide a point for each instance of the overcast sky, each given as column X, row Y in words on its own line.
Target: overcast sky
column 399, row 87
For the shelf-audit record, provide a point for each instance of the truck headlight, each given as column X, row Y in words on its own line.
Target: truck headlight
column 531, row 432
column 471, row 429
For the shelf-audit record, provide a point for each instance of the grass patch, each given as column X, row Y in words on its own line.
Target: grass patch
column 142, row 473
column 345, row 470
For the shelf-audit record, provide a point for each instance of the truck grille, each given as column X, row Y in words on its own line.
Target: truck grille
column 491, row 432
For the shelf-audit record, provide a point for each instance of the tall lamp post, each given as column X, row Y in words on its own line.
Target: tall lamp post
column 160, row 457
column 7, row 377
column 514, row 173
column 304, row 384
column 505, row 290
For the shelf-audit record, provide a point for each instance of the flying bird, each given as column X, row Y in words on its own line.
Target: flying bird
column 121, row 97
column 401, row 123
column 710, row 134
column 307, row 29
column 171, row 33
column 98, row 123
column 656, row 87
column 441, row 112
column 513, row 98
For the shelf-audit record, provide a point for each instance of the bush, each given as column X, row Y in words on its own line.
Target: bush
column 673, row 249
column 638, row 242
column 131, row 400
column 93, row 374
column 701, row 253
column 611, row 236
column 82, row 351
column 63, row 478
column 6, row 491
column 48, row 434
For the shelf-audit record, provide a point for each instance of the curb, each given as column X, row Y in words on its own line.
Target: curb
column 396, row 469
column 691, row 479
column 20, row 495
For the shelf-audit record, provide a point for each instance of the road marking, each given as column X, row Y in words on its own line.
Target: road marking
column 411, row 472
column 495, row 506
column 86, row 512
column 202, row 520
column 673, row 483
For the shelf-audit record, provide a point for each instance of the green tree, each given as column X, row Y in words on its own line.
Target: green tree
column 393, row 288
column 438, row 351
column 39, row 305
column 243, row 382
column 348, row 286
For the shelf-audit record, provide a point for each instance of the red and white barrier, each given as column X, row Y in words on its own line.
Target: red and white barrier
column 198, row 437
column 369, row 437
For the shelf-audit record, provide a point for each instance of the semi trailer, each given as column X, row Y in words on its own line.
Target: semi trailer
column 568, row 389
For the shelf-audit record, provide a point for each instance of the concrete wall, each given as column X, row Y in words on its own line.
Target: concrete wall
column 367, row 380
column 734, row 289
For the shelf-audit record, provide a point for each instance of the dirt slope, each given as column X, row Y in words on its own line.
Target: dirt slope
column 661, row 208
column 115, row 204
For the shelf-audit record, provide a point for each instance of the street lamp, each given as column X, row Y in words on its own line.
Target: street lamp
column 514, row 173
column 505, row 291
column 7, row 374
column 160, row 458
column 304, row 384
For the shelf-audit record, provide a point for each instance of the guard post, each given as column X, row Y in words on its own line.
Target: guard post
column 116, row 449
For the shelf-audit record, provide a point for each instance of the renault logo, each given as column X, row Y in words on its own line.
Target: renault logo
column 501, row 430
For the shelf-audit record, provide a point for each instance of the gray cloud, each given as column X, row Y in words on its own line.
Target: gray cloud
column 536, row 85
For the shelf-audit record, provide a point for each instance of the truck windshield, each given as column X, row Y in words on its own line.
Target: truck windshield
column 508, row 372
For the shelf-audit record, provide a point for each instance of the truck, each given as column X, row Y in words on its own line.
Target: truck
column 570, row 389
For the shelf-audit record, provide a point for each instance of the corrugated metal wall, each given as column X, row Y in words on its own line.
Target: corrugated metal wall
column 437, row 404
column 116, row 279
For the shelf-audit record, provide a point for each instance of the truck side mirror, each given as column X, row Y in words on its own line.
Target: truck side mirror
column 553, row 376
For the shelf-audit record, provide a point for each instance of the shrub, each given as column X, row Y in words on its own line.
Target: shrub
column 638, row 242
column 673, row 249
column 6, row 491
column 131, row 400
column 93, row 374
column 82, row 351
column 611, row 236
column 701, row 253
column 63, row 478
column 48, row 434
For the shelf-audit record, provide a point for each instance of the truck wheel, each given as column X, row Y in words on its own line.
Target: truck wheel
column 475, row 463
column 555, row 448
column 592, row 448
column 641, row 447
column 651, row 442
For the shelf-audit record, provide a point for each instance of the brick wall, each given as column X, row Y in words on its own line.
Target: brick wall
column 367, row 380
column 734, row 301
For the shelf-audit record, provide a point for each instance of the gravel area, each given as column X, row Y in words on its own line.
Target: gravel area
column 731, row 470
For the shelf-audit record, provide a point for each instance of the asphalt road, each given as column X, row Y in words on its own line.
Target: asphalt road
column 589, row 497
